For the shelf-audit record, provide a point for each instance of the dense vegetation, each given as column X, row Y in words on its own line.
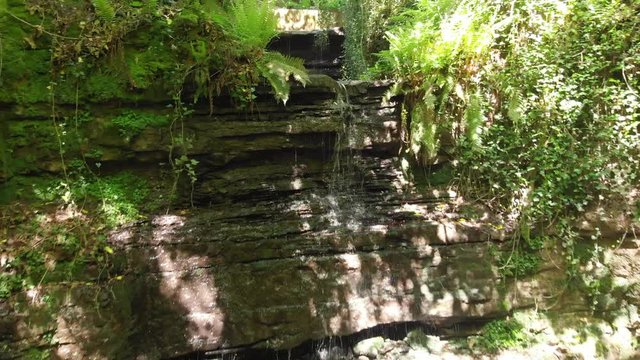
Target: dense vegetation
column 103, row 50
column 538, row 100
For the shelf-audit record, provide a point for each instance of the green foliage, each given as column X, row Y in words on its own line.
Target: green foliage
column 251, row 25
column 104, row 9
column 518, row 264
column 251, row 22
column 147, row 65
column 425, row 139
column 571, row 133
column 277, row 69
column 9, row 283
column 434, row 50
column 104, row 86
column 365, row 24
column 503, row 334
column 132, row 123
column 37, row 354
column 50, row 251
column 118, row 198
column 121, row 197
column 523, row 258
column 116, row 49
column 475, row 120
column 540, row 98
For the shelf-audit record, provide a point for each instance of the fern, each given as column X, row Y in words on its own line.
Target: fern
column 104, row 9
column 278, row 69
column 425, row 141
column 515, row 108
column 251, row 22
column 474, row 117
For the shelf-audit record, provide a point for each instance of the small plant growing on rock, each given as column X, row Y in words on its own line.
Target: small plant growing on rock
column 131, row 123
column 502, row 334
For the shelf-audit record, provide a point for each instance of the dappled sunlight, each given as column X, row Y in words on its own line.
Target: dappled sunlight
column 186, row 279
column 198, row 297
column 69, row 212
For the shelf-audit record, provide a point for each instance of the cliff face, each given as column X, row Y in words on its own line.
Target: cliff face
column 305, row 226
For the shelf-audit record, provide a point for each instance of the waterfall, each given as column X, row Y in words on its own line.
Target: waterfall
column 345, row 209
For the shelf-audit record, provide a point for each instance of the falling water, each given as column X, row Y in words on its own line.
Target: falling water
column 345, row 210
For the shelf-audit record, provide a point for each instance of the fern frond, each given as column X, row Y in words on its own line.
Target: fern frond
column 278, row 69
column 104, row 9
column 474, row 116
column 252, row 22
column 425, row 141
column 515, row 109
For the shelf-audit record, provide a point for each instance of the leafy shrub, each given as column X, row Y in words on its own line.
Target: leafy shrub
column 132, row 45
column 251, row 22
column 538, row 96
column 523, row 257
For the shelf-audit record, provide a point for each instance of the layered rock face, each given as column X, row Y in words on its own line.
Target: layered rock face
column 305, row 226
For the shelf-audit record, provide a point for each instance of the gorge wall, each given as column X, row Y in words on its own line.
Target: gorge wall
column 305, row 225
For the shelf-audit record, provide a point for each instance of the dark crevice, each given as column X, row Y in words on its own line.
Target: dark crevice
column 312, row 349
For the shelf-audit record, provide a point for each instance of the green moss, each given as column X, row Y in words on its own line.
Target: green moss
column 146, row 66
column 64, row 252
column 132, row 123
column 28, row 144
column 105, row 87
column 33, row 91
column 38, row 88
